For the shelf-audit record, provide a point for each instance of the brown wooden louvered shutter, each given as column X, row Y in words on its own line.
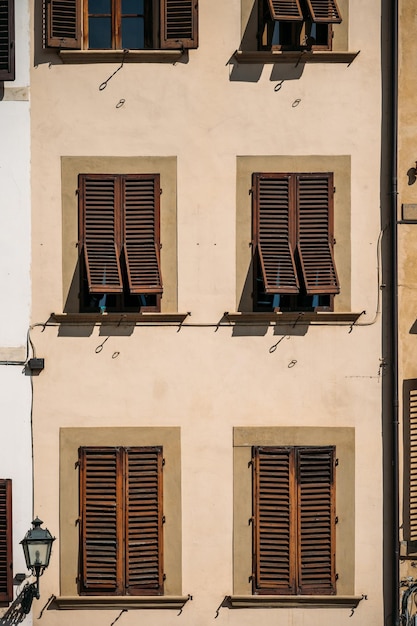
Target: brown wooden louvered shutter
column 7, row 47
column 6, row 571
column 274, row 231
column 285, row 10
column 274, row 522
column 316, row 520
column 63, row 23
column 315, row 233
column 141, row 198
column 101, row 515
column 325, row 11
column 143, row 530
column 179, row 23
column 100, row 231
column 410, row 460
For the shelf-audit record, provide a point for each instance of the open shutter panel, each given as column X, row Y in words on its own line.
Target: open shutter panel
column 274, row 521
column 179, row 23
column 285, row 10
column 325, row 11
column 99, row 198
column 101, row 487
column 410, row 459
column 63, row 23
column 144, row 521
column 7, row 40
column 272, row 226
column 6, row 572
column 316, row 520
column 141, row 196
column 315, row 238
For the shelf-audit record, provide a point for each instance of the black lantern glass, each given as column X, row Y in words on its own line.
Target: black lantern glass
column 37, row 546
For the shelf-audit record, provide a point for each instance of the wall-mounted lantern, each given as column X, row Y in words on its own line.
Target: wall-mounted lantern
column 37, row 546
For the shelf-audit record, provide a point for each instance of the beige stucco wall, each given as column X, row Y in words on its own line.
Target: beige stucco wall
column 203, row 379
column 407, row 244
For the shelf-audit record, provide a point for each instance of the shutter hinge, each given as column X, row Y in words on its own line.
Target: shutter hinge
column 337, row 576
column 163, row 519
column 336, row 461
column 250, row 192
column 251, row 578
column 77, row 192
column 77, row 464
column 336, row 520
column 77, row 521
column 164, row 576
column 163, row 462
column 250, row 521
column 160, row 192
column 334, row 189
column 250, row 464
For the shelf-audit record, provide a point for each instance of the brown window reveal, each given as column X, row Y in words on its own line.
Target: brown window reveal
column 119, row 230
column 293, row 232
column 67, row 24
column 294, row 520
column 7, row 46
column 6, row 571
column 121, row 521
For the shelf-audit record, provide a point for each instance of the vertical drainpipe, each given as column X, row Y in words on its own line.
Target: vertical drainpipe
column 394, row 313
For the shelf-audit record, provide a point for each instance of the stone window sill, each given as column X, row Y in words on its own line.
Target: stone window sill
column 118, row 318
column 294, row 318
column 303, row 56
column 276, row 602
column 119, row 56
column 119, row 602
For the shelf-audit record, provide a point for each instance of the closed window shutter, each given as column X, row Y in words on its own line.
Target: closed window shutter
column 141, row 195
column 315, row 236
column 285, row 10
column 7, row 57
column 63, row 23
column 144, row 521
column 179, row 23
column 101, row 487
column 6, row 572
column 316, row 520
column 273, row 230
column 410, row 460
column 99, row 201
column 274, row 520
column 325, row 11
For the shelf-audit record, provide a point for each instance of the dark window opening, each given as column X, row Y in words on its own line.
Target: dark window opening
column 121, row 24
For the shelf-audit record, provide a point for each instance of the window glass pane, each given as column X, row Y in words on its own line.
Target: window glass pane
column 133, row 6
column 99, row 33
column 99, row 6
column 133, row 33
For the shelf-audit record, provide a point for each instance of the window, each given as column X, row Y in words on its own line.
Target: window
column 122, row 24
column 296, row 24
column 292, row 242
column 121, row 520
column 6, row 571
column 119, row 242
column 293, row 520
column 7, row 60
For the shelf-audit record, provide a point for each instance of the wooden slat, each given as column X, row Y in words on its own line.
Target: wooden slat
column 315, row 233
column 101, row 492
column 7, row 40
column 274, row 521
column 6, row 571
column 179, row 23
column 99, row 199
column 285, row 10
column 410, row 459
column 144, row 573
column 272, row 232
column 141, row 233
column 325, row 11
column 316, row 520
column 63, row 23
